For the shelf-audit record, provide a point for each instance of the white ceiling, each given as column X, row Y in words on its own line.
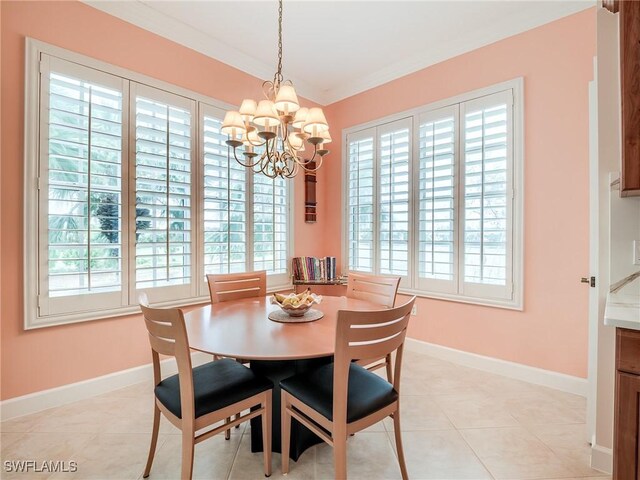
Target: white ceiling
column 334, row 49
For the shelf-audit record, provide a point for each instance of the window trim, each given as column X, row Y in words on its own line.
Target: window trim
column 31, row 211
column 516, row 85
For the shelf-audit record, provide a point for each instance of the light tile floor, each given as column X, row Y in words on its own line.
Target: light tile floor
column 458, row 423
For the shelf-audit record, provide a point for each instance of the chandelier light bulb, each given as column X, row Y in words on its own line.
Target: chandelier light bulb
column 248, row 109
column 253, row 138
column 233, row 124
column 295, row 141
column 266, row 115
column 326, row 138
column 287, row 100
column 316, row 122
column 300, row 118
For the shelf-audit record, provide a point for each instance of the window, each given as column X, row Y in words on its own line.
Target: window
column 134, row 190
column 225, row 201
column 162, row 201
column 394, row 141
column 487, row 194
column 81, row 189
column 433, row 196
column 436, row 200
column 360, row 206
column 270, row 224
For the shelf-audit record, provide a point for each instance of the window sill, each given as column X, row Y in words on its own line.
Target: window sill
column 54, row 320
column 514, row 304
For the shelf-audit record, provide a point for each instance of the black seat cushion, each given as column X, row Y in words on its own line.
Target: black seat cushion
column 216, row 385
column 366, row 394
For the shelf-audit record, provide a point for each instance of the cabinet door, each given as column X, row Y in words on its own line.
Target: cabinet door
column 629, row 65
column 627, row 426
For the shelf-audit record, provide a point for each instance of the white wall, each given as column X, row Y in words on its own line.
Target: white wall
column 625, row 228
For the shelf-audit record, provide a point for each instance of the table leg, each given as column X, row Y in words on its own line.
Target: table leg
column 301, row 437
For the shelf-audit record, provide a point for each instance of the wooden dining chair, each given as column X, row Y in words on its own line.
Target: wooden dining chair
column 224, row 287
column 342, row 398
column 199, row 397
column 234, row 286
column 381, row 291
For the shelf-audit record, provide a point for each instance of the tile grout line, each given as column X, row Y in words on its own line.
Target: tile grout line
column 235, row 455
column 486, row 467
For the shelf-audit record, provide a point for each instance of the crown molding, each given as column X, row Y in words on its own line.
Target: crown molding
column 154, row 21
column 148, row 18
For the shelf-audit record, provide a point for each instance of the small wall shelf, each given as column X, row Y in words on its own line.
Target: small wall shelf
column 310, row 202
column 324, row 283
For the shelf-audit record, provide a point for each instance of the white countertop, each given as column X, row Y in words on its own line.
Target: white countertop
column 622, row 310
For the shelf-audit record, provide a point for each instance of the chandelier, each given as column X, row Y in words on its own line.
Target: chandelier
column 271, row 134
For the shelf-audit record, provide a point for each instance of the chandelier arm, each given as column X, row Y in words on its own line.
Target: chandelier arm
column 258, row 144
column 269, row 89
column 304, row 162
column 265, row 168
column 292, row 172
column 246, row 165
column 266, row 161
column 295, row 169
column 317, row 167
column 259, row 163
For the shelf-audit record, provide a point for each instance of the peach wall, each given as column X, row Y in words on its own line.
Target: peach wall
column 46, row 358
column 556, row 61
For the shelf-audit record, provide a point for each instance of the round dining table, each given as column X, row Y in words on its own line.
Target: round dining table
column 241, row 329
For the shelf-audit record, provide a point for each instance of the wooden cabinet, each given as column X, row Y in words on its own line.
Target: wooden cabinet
column 626, row 448
column 630, row 96
column 629, row 20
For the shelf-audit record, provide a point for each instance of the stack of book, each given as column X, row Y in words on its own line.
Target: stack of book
column 314, row 269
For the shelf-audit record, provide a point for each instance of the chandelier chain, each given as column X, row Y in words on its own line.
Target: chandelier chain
column 279, row 72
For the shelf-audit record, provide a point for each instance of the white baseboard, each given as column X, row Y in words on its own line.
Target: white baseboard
column 55, row 397
column 38, row 401
column 518, row 371
column 602, row 459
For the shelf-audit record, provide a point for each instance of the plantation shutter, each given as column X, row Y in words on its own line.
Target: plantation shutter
column 361, row 169
column 225, row 200
column 83, row 265
column 270, row 236
column 394, row 158
column 487, row 166
column 437, row 246
column 162, row 202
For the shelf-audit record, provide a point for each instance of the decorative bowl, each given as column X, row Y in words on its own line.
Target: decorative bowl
column 296, row 305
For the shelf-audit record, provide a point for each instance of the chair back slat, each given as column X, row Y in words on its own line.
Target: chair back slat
column 235, row 286
column 168, row 336
column 162, row 345
column 377, row 350
column 367, row 334
column 160, row 329
column 373, row 288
